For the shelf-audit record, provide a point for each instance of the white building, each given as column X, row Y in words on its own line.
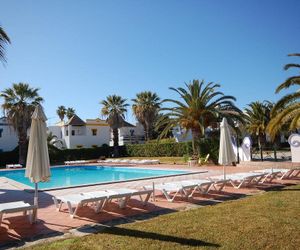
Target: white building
column 181, row 135
column 8, row 136
column 130, row 134
column 79, row 134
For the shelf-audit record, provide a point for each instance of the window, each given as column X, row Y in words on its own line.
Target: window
column 94, row 132
column 67, row 132
column 1, row 130
column 73, row 132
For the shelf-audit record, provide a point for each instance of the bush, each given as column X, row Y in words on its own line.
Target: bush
column 158, row 149
column 59, row 156
column 11, row 157
column 207, row 146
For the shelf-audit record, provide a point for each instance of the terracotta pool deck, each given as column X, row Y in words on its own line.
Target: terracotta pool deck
column 15, row 228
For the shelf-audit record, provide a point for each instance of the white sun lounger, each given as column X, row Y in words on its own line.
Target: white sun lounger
column 17, row 206
column 286, row 173
column 238, row 180
column 201, row 185
column 79, row 200
column 122, row 195
column 14, row 166
column 185, row 188
column 100, row 198
column 218, row 184
column 167, row 189
column 270, row 174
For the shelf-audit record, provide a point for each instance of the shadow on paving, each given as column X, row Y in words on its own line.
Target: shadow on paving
column 38, row 231
column 11, row 195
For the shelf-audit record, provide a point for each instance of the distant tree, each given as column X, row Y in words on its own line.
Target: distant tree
column 286, row 112
column 145, row 108
column 258, row 116
column 114, row 108
column 19, row 103
column 70, row 112
column 200, row 105
column 4, row 39
column 61, row 112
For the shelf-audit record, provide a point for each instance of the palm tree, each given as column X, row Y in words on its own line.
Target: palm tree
column 201, row 105
column 4, row 39
column 114, row 108
column 258, row 116
column 286, row 111
column 145, row 108
column 61, row 112
column 19, row 104
column 70, row 112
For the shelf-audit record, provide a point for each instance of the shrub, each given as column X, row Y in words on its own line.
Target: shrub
column 11, row 157
column 158, row 149
column 208, row 146
column 59, row 156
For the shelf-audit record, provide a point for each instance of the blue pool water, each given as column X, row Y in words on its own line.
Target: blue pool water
column 83, row 175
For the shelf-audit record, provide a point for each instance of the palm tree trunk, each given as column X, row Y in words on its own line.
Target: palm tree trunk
column 195, row 137
column 22, row 148
column 260, row 148
column 116, row 141
column 148, row 132
column 145, row 131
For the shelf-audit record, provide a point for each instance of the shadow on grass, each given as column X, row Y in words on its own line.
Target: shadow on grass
column 275, row 187
column 156, row 236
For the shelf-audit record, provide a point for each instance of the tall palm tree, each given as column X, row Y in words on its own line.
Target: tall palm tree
column 258, row 116
column 114, row 108
column 70, row 112
column 200, row 105
column 286, row 111
column 19, row 104
column 4, row 39
column 61, row 112
column 145, row 108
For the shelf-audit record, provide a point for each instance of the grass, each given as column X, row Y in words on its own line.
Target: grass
column 265, row 221
column 165, row 160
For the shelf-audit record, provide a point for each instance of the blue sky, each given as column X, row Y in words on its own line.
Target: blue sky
column 78, row 52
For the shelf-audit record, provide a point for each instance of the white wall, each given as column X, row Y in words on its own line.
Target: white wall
column 8, row 138
column 180, row 134
column 126, row 132
column 83, row 135
column 89, row 140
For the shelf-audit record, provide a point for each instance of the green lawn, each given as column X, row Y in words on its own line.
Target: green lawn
column 265, row 221
column 166, row 160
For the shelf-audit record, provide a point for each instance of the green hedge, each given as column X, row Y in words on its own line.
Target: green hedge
column 59, row 156
column 208, row 146
column 11, row 157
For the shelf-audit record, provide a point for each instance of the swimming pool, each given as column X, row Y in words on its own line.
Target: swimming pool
column 69, row 176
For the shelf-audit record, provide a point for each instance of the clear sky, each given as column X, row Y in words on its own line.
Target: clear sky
column 78, row 52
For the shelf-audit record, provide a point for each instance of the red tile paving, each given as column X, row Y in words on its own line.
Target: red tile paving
column 16, row 227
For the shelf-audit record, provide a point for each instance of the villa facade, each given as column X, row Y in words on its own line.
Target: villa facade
column 77, row 133
column 130, row 134
column 8, row 136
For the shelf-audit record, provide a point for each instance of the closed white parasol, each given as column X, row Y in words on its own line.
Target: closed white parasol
column 38, row 164
column 226, row 153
